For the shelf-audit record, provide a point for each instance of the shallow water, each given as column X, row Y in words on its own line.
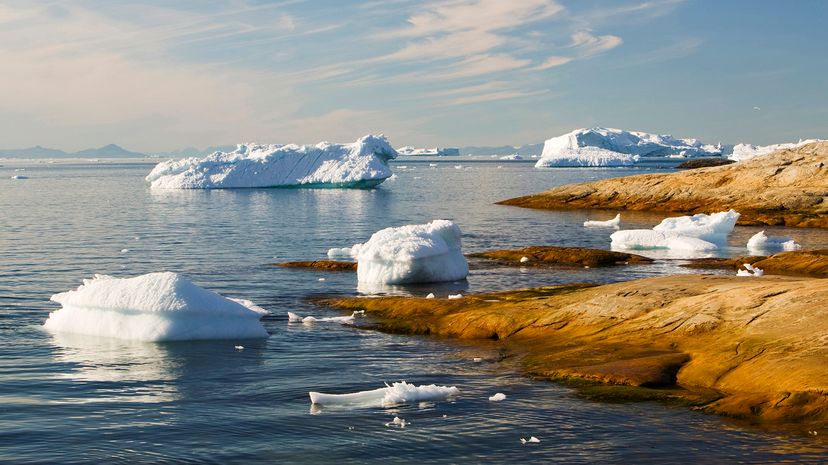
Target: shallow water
column 80, row 400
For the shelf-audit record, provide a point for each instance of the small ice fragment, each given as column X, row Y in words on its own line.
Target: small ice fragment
column 477, row 360
column 19, row 177
column 321, row 279
column 124, row 250
column 498, row 397
column 340, row 252
column 294, row 318
column 397, row 422
column 613, row 223
column 524, row 259
column 750, row 270
column 238, row 347
column 432, row 164
column 760, row 243
column 458, row 167
column 388, row 396
column 309, row 320
column 455, row 296
column 430, row 295
column 530, row 440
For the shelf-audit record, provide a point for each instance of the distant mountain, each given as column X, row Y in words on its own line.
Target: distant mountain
column 523, row 150
column 107, row 151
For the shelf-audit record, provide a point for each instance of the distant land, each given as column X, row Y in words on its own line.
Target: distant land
column 107, row 151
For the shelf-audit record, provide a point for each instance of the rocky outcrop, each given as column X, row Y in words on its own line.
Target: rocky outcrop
column 811, row 263
column 788, row 187
column 544, row 256
column 704, row 163
column 326, row 265
column 746, row 347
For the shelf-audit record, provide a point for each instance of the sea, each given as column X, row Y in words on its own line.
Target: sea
column 77, row 400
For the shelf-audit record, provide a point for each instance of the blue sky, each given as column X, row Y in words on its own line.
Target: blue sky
column 153, row 76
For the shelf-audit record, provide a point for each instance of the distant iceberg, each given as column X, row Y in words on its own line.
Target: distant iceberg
column 362, row 164
column 742, row 152
column 153, row 307
column 433, row 152
column 615, row 147
column 418, row 253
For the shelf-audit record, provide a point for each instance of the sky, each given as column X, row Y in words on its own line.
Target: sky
column 160, row 75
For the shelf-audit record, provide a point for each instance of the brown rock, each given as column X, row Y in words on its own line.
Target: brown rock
column 703, row 163
column 746, row 347
column 788, row 187
column 541, row 256
column 811, row 263
column 326, row 265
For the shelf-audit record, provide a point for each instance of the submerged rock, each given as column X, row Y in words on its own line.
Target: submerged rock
column 326, row 265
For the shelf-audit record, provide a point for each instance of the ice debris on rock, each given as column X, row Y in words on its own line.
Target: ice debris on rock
column 750, row 270
column 388, row 396
column 419, row 253
column 362, row 164
column 613, row 223
column 153, row 307
column 760, row 243
column 615, row 147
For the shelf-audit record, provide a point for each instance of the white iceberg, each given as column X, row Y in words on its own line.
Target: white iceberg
column 153, row 307
column 531, row 440
column 613, row 223
column 760, row 243
column 419, row 253
column 362, row 164
column 389, row 396
column 615, row 147
column 742, row 152
column 688, row 236
column 750, row 270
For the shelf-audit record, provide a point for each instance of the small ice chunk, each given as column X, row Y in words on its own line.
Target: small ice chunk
column 477, row 359
column 711, row 228
column 531, row 440
column 341, row 252
column 398, row 422
column 310, row 319
column 238, row 347
column 455, row 296
column 321, row 279
column 152, row 307
column 19, row 177
column 750, row 270
column 430, row 295
column 760, row 243
column 124, row 250
column 498, row 397
column 524, row 259
column 388, row 396
column 613, row 223
column 458, row 167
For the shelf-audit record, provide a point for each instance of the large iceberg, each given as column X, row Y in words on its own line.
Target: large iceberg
column 742, row 152
column 418, row 253
column 685, row 235
column 153, row 307
column 363, row 164
column 616, row 147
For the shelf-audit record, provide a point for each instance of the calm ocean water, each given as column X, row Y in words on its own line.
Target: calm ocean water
column 81, row 400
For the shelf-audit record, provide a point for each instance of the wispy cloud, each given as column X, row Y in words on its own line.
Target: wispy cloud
column 587, row 44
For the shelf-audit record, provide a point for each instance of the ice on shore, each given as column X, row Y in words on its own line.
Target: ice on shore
column 498, row 397
column 310, row 319
column 760, row 243
column 688, row 236
column 615, row 147
column 742, row 152
column 153, row 307
column 419, row 253
column 388, row 396
column 750, row 270
column 613, row 223
column 362, row 164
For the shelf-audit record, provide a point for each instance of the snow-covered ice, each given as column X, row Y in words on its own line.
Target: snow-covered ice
column 613, row 223
column 363, row 163
column 388, row 396
column 498, row 397
column 310, row 319
column 686, row 236
column 153, row 307
column 760, row 243
column 419, row 253
column 742, row 152
column 615, row 147
column 750, row 270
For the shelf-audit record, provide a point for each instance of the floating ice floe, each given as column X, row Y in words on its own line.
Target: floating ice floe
column 19, row 177
column 153, row 307
column 686, row 235
column 362, row 164
column 615, row 147
column 455, row 296
column 498, row 397
column 419, row 253
column 398, row 422
column 742, row 152
column 613, row 223
column 531, row 440
column 430, row 295
column 750, row 270
column 309, row 319
column 389, row 396
column 760, row 243
column 340, row 252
